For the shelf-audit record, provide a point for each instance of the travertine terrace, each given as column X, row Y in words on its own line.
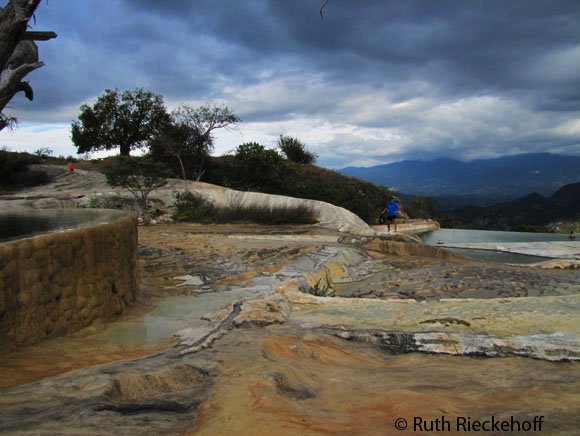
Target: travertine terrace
column 226, row 337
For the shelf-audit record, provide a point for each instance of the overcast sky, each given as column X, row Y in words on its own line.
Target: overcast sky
column 375, row 81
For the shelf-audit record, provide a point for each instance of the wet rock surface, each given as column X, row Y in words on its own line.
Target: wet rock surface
column 227, row 338
column 463, row 280
column 290, row 382
column 154, row 395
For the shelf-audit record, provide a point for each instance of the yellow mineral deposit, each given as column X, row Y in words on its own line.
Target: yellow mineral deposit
column 58, row 283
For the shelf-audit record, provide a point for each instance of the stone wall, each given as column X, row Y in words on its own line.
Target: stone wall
column 58, row 283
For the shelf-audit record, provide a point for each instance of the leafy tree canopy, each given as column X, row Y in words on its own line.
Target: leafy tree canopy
column 182, row 142
column 189, row 137
column 126, row 120
column 206, row 118
column 295, row 150
column 257, row 167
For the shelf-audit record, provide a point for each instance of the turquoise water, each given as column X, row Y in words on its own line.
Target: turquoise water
column 497, row 256
column 172, row 314
column 456, row 236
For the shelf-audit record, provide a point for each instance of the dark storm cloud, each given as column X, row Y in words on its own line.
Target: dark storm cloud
column 411, row 78
column 461, row 48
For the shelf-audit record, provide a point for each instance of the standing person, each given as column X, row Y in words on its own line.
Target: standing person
column 392, row 209
column 71, row 168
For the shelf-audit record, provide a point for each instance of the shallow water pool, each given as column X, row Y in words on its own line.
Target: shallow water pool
column 457, row 236
column 33, row 222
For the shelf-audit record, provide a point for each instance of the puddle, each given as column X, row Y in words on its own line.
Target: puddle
column 17, row 224
column 171, row 315
column 131, row 337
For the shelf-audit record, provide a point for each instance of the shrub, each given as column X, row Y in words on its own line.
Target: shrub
column 190, row 207
column 320, row 291
column 31, row 178
column 139, row 175
column 257, row 167
column 44, row 152
column 254, row 168
column 295, row 150
column 14, row 163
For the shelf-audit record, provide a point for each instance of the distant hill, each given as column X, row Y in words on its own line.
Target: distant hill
column 504, row 178
column 533, row 212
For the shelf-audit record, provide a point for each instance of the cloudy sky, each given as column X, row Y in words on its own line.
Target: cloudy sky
column 375, row 81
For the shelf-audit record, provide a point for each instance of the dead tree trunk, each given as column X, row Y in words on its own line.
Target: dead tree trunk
column 18, row 52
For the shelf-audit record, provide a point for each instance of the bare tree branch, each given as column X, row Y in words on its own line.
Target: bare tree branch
column 321, row 9
column 18, row 52
column 10, row 81
column 38, row 36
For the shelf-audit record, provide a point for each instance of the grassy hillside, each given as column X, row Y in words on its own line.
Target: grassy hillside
column 14, row 171
column 266, row 172
column 302, row 181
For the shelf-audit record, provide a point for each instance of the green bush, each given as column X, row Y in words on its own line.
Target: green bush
column 12, row 164
column 320, row 290
column 295, row 150
column 139, row 175
column 255, row 168
column 190, row 207
column 362, row 198
column 258, row 168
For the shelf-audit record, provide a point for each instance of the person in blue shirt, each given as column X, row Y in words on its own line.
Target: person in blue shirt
column 391, row 209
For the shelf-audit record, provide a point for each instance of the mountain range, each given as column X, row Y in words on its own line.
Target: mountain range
column 532, row 212
column 483, row 181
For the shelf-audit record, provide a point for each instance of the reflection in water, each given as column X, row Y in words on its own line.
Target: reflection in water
column 456, row 236
column 26, row 223
column 497, row 256
column 126, row 338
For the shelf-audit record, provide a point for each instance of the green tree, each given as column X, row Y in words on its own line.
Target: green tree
column 139, row 175
column 189, row 138
column 295, row 150
column 258, row 168
column 206, row 118
column 126, row 120
column 44, row 152
column 180, row 141
column 201, row 122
